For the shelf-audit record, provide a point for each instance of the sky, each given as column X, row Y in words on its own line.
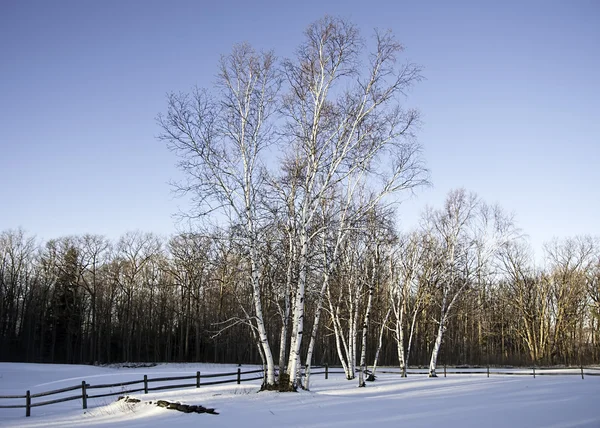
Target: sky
column 510, row 105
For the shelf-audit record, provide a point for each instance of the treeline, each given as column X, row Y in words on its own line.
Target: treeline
column 86, row 299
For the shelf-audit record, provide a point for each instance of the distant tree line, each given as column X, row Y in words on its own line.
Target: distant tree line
column 86, row 299
column 294, row 169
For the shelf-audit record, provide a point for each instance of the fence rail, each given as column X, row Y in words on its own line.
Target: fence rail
column 316, row 370
column 529, row 371
column 146, row 381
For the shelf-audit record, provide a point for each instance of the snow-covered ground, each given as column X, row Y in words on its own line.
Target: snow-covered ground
column 390, row 401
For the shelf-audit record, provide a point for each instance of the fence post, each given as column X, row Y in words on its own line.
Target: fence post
column 326, row 371
column 28, row 404
column 84, row 394
column 581, row 372
column 444, row 370
column 239, row 376
column 488, row 371
column 197, row 379
column 145, row 384
column 534, row 372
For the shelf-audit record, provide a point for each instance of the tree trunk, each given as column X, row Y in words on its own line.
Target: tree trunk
column 436, row 347
column 293, row 369
column 365, row 329
column 380, row 341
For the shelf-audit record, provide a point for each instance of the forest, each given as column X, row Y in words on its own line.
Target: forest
column 85, row 299
column 295, row 170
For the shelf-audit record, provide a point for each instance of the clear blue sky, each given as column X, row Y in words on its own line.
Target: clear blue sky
column 511, row 104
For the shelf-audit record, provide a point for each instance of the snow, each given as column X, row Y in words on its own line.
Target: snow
column 417, row 401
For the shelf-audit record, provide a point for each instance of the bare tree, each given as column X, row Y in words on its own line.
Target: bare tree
column 593, row 287
column 220, row 140
column 468, row 234
column 413, row 271
column 530, row 295
column 570, row 261
column 16, row 252
column 344, row 119
column 94, row 253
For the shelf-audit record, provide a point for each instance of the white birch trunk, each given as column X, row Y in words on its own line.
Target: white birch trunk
column 287, row 307
column 365, row 329
column 438, row 339
column 313, row 336
column 436, row 346
column 380, row 341
column 343, row 347
column 315, row 329
column 400, row 343
column 260, row 326
column 353, row 336
column 340, row 344
column 293, row 369
column 284, row 330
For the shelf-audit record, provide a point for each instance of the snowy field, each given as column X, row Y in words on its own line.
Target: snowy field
column 390, row 401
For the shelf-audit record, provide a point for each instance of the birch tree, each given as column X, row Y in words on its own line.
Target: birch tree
column 343, row 117
column 380, row 235
column 220, row 140
column 469, row 234
column 448, row 229
column 415, row 266
column 346, row 216
column 343, row 123
column 351, row 298
column 345, row 301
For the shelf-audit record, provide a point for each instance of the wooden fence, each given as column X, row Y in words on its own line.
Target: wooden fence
column 475, row 370
column 199, row 379
column 129, row 387
column 531, row 371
